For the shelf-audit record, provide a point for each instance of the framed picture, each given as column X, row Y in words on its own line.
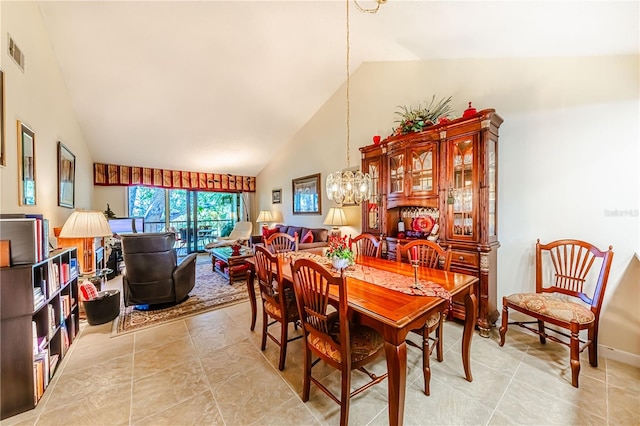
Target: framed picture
column 276, row 196
column 306, row 195
column 3, row 149
column 66, row 177
column 27, row 165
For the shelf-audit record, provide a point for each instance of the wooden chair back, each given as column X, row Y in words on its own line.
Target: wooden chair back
column 269, row 274
column 427, row 253
column 365, row 245
column 563, row 266
column 281, row 242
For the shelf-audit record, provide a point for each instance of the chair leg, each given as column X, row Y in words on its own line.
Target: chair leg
column 439, row 333
column 426, row 366
column 306, row 379
column 543, row 339
column 345, row 396
column 505, row 323
column 575, row 354
column 284, row 328
column 265, row 323
column 593, row 347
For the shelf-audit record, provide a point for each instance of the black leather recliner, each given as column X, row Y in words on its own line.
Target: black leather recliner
column 152, row 274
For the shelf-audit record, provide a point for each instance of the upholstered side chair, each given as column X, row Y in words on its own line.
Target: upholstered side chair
column 568, row 296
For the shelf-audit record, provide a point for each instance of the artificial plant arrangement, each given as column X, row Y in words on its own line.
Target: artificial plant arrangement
column 339, row 251
column 417, row 119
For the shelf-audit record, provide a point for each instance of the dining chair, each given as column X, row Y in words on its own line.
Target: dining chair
column 282, row 243
column 568, row 295
column 365, row 245
column 430, row 255
column 278, row 301
column 330, row 335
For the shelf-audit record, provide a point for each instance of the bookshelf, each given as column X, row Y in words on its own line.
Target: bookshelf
column 39, row 320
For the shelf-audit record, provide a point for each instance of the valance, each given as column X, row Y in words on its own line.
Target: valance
column 115, row 175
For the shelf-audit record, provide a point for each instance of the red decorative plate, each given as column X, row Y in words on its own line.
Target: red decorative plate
column 423, row 224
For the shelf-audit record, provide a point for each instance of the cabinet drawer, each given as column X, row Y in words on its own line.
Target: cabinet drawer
column 465, row 258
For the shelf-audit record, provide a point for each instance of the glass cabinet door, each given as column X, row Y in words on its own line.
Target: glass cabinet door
column 462, row 164
column 422, row 169
column 396, row 173
column 372, row 217
column 492, row 187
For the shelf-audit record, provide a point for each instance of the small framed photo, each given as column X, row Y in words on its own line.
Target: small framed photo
column 276, row 196
column 306, row 195
column 66, row 176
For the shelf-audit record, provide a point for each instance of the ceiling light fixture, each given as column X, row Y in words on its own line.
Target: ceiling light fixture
column 348, row 186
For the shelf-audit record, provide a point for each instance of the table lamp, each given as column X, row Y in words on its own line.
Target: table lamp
column 265, row 217
column 335, row 218
column 80, row 229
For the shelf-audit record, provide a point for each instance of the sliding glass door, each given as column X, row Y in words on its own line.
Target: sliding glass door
column 197, row 217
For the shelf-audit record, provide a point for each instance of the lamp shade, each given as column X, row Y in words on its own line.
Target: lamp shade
column 265, row 216
column 335, row 217
column 86, row 224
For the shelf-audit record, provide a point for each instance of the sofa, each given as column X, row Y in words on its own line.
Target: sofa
column 320, row 236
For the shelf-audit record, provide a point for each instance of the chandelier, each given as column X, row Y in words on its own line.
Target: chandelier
column 349, row 186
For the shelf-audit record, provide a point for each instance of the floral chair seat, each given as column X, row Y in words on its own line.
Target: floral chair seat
column 552, row 306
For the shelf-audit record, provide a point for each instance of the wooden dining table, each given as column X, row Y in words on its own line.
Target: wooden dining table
column 394, row 314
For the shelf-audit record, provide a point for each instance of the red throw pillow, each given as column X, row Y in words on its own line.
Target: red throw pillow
column 88, row 290
column 308, row 238
column 266, row 232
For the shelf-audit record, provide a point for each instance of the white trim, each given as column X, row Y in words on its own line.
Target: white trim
column 619, row 355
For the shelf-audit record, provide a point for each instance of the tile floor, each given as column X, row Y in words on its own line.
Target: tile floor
column 208, row 369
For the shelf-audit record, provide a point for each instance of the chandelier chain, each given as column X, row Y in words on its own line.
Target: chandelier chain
column 348, row 97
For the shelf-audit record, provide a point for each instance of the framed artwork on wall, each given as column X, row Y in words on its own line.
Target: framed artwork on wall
column 66, row 177
column 276, row 196
column 26, row 166
column 3, row 149
column 306, row 195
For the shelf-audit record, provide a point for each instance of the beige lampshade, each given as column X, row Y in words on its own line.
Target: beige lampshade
column 335, row 217
column 265, row 216
column 86, row 224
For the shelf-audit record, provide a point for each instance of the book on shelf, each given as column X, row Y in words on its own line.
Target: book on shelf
column 38, row 298
column 52, row 320
column 73, row 268
column 53, row 363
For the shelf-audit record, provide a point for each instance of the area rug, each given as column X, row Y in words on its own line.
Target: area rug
column 212, row 291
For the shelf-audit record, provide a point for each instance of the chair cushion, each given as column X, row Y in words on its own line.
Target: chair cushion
column 292, row 309
column 365, row 342
column 552, row 306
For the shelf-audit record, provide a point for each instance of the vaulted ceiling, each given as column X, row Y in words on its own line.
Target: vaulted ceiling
column 221, row 86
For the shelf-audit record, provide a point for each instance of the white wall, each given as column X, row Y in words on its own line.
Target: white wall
column 38, row 97
column 568, row 156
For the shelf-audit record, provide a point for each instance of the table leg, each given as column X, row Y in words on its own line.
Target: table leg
column 397, row 380
column 252, row 296
column 470, row 308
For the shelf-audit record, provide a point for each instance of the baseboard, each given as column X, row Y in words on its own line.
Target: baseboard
column 618, row 355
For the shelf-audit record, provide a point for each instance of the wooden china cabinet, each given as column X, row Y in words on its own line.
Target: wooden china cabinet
column 448, row 175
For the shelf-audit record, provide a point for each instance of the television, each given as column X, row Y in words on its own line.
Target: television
column 126, row 225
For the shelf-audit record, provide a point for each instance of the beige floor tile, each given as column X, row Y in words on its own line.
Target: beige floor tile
column 93, row 379
column 225, row 363
column 157, row 336
column 157, row 359
column 622, row 375
column 99, row 348
column 291, row 412
column 105, row 406
column 249, row 395
column 198, row 410
column 624, row 407
column 526, row 405
column 177, row 383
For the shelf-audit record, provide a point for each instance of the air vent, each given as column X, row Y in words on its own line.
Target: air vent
column 16, row 54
